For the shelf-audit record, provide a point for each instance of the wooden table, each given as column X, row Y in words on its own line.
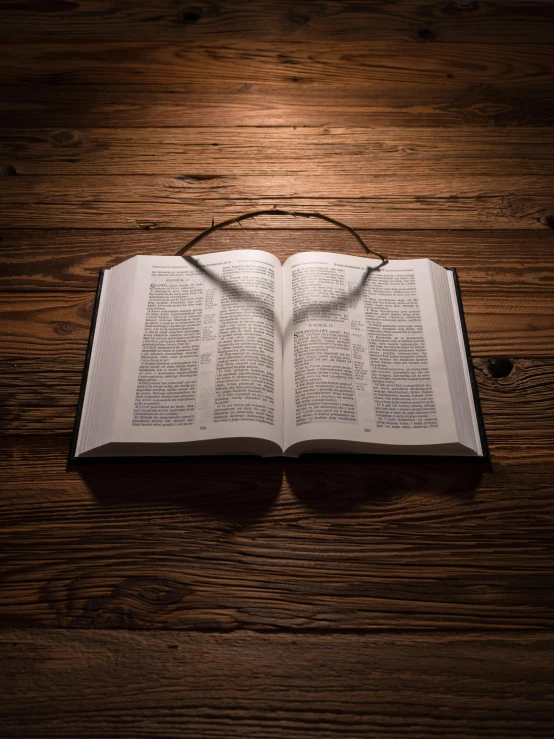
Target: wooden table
column 277, row 599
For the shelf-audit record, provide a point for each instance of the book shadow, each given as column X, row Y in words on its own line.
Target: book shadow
column 231, row 490
column 242, row 490
column 337, row 485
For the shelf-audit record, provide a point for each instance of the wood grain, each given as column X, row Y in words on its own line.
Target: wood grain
column 487, row 23
column 196, row 152
column 459, row 212
column 48, row 189
column 134, row 62
column 253, row 685
column 297, row 102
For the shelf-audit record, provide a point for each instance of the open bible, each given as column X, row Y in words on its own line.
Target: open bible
column 234, row 353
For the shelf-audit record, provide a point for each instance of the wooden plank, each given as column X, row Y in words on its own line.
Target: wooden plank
column 526, row 392
column 513, row 449
column 297, row 102
column 290, row 20
column 381, row 200
column 196, row 153
column 494, row 263
column 41, row 395
column 37, row 326
column 160, row 188
column 277, row 544
column 235, row 62
column 91, row 684
column 513, row 212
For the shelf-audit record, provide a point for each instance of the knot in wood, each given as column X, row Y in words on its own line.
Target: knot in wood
column 63, row 329
column 500, row 366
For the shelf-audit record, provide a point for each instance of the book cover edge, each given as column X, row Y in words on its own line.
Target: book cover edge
column 473, row 381
column 79, row 412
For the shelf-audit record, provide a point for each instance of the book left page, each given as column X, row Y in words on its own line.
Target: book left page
column 203, row 354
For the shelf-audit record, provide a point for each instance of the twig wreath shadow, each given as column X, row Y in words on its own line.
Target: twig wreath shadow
column 280, row 212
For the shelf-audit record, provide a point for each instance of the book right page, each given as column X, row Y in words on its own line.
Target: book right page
column 363, row 361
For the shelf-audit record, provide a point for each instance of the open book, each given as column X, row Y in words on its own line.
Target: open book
column 234, row 353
